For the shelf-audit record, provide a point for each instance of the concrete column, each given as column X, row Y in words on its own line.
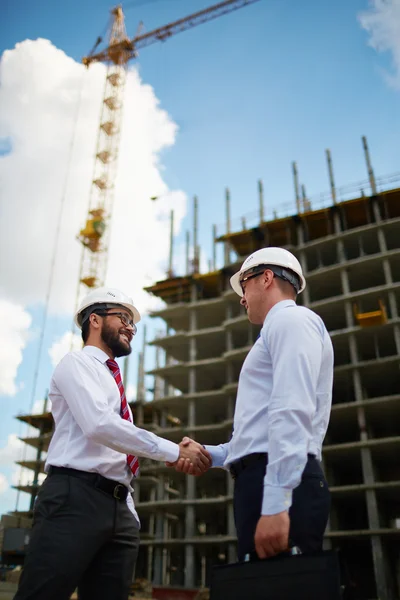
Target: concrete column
column 344, row 277
column 348, row 307
column 336, row 223
column 372, row 506
column 229, row 344
column 376, row 211
column 159, row 534
column 353, row 351
column 232, row 551
column 303, row 261
column 149, row 574
column 389, row 281
column 306, row 296
column 341, row 251
column 396, row 332
column 382, row 584
column 393, row 305
column 387, row 271
column 136, row 492
column 152, row 530
column 190, row 481
column 189, row 533
column 163, row 418
column 300, row 233
column 229, row 340
column 381, row 240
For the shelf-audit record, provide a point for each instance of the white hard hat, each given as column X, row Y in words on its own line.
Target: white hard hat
column 278, row 257
column 109, row 297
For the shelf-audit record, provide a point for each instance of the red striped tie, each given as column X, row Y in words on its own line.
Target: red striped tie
column 132, row 461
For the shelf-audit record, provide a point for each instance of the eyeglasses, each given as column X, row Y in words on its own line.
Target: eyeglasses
column 250, row 274
column 126, row 321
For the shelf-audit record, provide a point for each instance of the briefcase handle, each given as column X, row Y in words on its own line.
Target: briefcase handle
column 293, row 551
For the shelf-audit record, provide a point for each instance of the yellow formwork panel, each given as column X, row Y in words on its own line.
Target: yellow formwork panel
column 372, row 318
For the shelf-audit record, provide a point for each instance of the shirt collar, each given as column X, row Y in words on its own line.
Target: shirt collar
column 278, row 306
column 97, row 353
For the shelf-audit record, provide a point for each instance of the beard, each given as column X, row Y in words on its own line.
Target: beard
column 111, row 338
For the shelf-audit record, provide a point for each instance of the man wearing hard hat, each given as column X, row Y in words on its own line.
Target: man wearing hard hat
column 281, row 498
column 85, row 529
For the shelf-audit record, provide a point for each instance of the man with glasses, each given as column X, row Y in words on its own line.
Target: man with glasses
column 283, row 403
column 85, row 529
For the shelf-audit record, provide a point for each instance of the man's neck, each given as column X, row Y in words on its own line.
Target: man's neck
column 273, row 302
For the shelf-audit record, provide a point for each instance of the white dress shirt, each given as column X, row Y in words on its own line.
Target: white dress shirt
column 90, row 434
column 283, row 401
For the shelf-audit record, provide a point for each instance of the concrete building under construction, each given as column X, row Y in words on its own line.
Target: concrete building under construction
column 350, row 252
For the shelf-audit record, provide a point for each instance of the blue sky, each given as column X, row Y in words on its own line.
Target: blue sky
column 277, row 81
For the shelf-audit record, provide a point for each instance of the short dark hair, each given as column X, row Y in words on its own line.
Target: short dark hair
column 286, row 287
column 85, row 330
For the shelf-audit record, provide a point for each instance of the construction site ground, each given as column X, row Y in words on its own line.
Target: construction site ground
column 8, row 590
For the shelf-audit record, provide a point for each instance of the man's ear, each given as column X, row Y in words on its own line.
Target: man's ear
column 94, row 321
column 268, row 278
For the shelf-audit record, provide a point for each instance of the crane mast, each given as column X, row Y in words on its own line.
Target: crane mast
column 94, row 236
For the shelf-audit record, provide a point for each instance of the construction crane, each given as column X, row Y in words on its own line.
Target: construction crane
column 95, row 234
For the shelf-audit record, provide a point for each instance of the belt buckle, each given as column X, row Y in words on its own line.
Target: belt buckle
column 116, row 491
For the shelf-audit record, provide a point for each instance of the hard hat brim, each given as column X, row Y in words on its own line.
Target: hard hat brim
column 235, row 282
column 135, row 313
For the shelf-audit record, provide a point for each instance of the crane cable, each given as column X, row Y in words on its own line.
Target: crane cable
column 53, row 262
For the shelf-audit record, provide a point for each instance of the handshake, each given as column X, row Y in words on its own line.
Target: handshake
column 193, row 458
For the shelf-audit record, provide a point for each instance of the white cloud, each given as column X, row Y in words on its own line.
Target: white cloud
column 37, row 408
column 11, row 452
column 24, row 476
column 68, row 341
column 382, row 21
column 3, row 483
column 38, row 100
column 14, row 327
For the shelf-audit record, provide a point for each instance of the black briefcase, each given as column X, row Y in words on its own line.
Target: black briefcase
column 301, row 577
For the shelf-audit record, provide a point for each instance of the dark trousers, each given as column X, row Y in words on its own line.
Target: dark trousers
column 308, row 514
column 81, row 538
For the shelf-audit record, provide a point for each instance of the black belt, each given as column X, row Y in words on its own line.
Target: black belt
column 113, row 488
column 239, row 465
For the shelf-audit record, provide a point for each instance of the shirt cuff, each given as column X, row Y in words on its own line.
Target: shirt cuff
column 217, row 456
column 168, row 451
column 276, row 499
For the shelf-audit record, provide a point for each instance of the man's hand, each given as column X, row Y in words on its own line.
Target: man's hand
column 272, row 534
column 193, row 458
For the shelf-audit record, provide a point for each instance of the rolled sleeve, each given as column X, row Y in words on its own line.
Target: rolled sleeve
column 276, row 499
